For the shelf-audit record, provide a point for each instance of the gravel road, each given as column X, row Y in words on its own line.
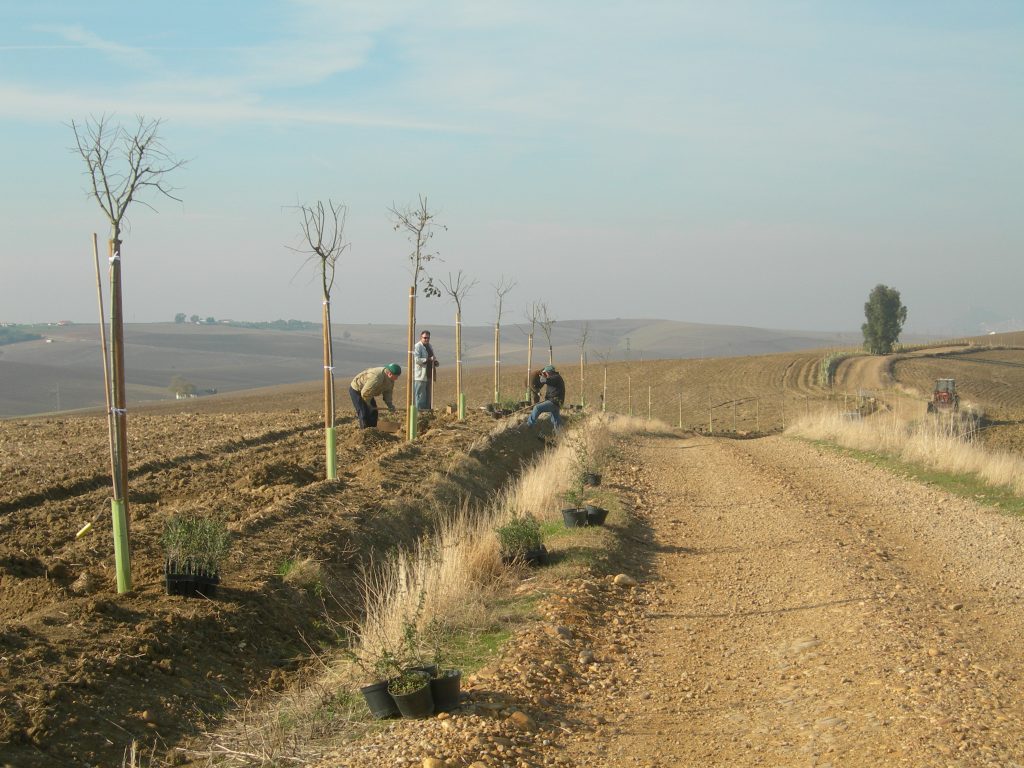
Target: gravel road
column 811, row 610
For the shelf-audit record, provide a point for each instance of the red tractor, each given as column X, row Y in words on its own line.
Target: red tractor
column 944, row 398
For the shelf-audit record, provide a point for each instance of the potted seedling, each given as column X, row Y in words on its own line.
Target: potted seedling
column 194, row 548
column 446, row 682
column 380, row 668
column 520, row 539
column 575, row 513
column 411, row 692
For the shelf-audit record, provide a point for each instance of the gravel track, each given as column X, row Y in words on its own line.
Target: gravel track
column 811, row 610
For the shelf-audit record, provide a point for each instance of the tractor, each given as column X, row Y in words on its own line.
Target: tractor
column 944, row 398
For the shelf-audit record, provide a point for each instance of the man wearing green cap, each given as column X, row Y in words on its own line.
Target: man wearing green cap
column 367, row 385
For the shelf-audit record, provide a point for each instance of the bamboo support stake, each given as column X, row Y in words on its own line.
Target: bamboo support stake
column 497, row 362
column 604, row 390
column 119, row 503
column 583, row 381
column 329, row 434
column 648, row 402
column 529, row 368
column 629, row 394
column 460, row 395
column 106, row 362
column 410, row 406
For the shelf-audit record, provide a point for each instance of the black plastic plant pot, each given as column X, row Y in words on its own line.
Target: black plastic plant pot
column 538, row 556
column 596, row 515
column 381, row 703
column 574, row 518
column 415, row 704
column 445, row 690
column 179, row 583
column 591, row 478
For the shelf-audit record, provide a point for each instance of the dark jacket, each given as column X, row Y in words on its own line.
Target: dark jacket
column 555, row 388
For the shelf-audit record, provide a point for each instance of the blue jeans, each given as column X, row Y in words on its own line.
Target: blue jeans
column 421, row 395
column 545, row 406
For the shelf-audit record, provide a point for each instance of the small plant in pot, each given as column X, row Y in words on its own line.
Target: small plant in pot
column 411, row 692
column 194, row 548
column 520, row 540
column 378, row 667
column 575, row 513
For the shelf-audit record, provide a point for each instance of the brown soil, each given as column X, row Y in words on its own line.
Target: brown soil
column 795, row 607
column 84, row 671
column 808, row 609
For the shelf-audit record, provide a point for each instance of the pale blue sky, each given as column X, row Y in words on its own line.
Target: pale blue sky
column 753, row 163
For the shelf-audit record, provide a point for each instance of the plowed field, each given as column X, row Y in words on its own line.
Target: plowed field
column 83, row 671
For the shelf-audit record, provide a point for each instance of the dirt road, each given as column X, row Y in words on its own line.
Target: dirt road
column 805, row 609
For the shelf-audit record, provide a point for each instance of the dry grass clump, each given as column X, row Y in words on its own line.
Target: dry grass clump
column 305, row 573
column 448, row 577
column 940, row 444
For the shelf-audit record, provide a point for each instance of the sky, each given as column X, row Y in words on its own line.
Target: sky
column 744, row 163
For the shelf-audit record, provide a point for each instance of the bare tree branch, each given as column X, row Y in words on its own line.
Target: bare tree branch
column 457, row 287
column 418, row 224
column 323, row 233
column 501, row 289
column 122, row 164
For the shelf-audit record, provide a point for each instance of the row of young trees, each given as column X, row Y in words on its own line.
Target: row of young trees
column 126, row 165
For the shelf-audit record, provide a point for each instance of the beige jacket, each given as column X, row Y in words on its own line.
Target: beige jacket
column 373, row 382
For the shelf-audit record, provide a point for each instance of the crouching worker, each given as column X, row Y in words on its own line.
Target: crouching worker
column 554, row 396
column 367, row 385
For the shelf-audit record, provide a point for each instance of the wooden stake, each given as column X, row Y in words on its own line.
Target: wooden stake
column 119, row 410
column 497, row 362
column 409, row 405
column 460, row 399
column 106, row 362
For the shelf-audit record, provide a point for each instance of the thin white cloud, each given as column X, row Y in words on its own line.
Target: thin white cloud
column 125, row 54
column 62, row 105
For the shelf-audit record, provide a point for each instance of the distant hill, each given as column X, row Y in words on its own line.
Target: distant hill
column 63, row 370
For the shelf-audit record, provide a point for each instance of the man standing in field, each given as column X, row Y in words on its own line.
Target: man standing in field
column 554, row 396
column 367, row 385
column 424, row 373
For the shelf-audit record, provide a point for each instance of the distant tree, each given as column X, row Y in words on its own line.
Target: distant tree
column 193, row 318
column 885, row 315
column 181, row 386
column 211, row 321
column 180, row 317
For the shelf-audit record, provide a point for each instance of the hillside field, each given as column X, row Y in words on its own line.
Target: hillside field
column 84, row 671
